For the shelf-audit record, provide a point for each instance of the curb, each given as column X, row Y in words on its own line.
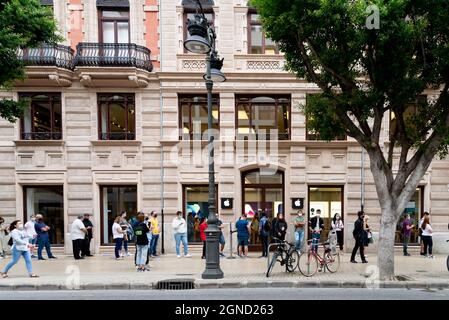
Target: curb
column 236, row 285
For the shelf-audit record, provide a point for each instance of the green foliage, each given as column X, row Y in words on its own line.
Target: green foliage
column 363, row 72
column 23, row 24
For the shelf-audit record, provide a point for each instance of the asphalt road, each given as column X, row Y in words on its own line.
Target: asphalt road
column 233, row 294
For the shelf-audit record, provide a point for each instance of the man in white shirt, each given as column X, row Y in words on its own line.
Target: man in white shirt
column 29, row 228
column 78, row 233
column 180, row 231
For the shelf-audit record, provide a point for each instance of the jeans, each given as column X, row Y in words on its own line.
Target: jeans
column 299, row 238
column 153, row 245
column 405, row 242
column 125, row 245
column 142, row 251
column 181, row 237
column 41, row 243
column 118, row 246
column 15, row 258
column 315, row 241
column 77, row 247
column 428, row 243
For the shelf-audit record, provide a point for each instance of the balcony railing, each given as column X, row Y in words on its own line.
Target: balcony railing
column 48, row 55
column 112, row 55
column 41, row 135
column 117, row 136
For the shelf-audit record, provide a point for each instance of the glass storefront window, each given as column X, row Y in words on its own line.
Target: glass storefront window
column 329, row 201
column 414, row 208
column 116, row 199
column 196, row 206
column 49, row 202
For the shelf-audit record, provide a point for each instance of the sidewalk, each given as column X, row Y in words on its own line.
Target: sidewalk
column 103, row 272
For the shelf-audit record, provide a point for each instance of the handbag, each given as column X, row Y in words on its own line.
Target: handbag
column 10, row 242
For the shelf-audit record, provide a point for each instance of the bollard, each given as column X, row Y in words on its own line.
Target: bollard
column 230, row 241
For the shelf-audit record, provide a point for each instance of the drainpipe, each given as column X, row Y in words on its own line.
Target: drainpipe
column 362, row 177
column 161, row 115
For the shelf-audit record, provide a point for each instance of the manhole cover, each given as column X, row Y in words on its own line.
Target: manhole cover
column 176, row 284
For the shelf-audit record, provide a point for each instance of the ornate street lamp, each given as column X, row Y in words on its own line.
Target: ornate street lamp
column 201, row 40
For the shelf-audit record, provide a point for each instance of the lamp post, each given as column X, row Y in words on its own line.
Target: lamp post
column 201, row 40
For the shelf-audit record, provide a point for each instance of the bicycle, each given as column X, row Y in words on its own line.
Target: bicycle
column 308, row 260
column 285, row 254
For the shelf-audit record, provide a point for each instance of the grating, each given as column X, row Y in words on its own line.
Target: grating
column 176, row 284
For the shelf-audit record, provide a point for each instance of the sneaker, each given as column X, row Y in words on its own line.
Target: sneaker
column 188, row 255
column 119, row 258
column 406, row 254
column 430, row 256
column 364, row 261
column 222, row 254
column 52, row 257
column 178, row 256
column 353, row 261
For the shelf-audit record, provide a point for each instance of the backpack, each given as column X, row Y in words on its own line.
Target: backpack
column 267, row 226
column 10, row 242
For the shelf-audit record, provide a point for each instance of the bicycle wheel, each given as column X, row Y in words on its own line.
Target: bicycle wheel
column 272, row 263
column 332, row 262
column 308, row 264
column 292, row 261
column 447, row 263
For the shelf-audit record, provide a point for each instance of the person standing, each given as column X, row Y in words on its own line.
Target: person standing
column 280, row 228
column 367, row 234
column 85, row 251
column 427, row 233
column 338, row 225
column 21, row 247
column 29, row 228
column 426, row 214
column 221, row 240
column 155, row 234
column 179, row 226
column 141, row 230
column 264, row 231
column 359, row 236
column 43, row 239
column 243, row 230
column 316, row 225
column 299, row 223
column 3, row 234
column 255, row 229
column 203, row 227
column 406, row 233
column 117, row 234
column 127, row 236
column 78, row 234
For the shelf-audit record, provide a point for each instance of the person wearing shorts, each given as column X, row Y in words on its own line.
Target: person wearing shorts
column 243, row 231
column 221, row 240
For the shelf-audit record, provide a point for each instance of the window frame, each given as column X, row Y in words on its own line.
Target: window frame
column 277, row 105
column 126, row 101
column 102, row 19
column 250, row 23
column 51, row 96
column 215, row 100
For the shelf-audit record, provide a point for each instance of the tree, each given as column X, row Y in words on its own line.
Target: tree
column 23, row 24
column 365, row 70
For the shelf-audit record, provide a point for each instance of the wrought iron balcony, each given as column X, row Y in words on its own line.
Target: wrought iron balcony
column 48, row 55
column 117, row 136
column 113, row 55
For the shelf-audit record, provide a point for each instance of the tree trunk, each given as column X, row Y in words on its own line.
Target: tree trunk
column 385, row 250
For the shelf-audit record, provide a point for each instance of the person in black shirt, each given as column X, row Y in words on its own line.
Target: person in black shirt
column 280, row 227
column 142, row 242
column 85, row 249
column 359, row 237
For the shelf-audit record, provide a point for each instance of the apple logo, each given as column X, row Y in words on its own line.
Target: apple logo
column 226, row 203
column 298, row 203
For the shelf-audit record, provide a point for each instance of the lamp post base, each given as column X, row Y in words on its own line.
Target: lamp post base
column 213, row 270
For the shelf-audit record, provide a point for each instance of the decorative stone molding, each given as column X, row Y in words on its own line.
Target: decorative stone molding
column 193, row 65
column 129, row 77
column 262, row 63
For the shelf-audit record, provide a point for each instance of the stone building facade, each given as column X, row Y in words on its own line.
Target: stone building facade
column 130, row 129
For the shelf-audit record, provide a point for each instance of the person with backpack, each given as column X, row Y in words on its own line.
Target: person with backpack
column 407, row 227
column 141, row 230
column 3, row 234
column 128, row 235
column 299, row 223
column 203, row 227
column 359, row 237
column 264, row 232
column 20, row 247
